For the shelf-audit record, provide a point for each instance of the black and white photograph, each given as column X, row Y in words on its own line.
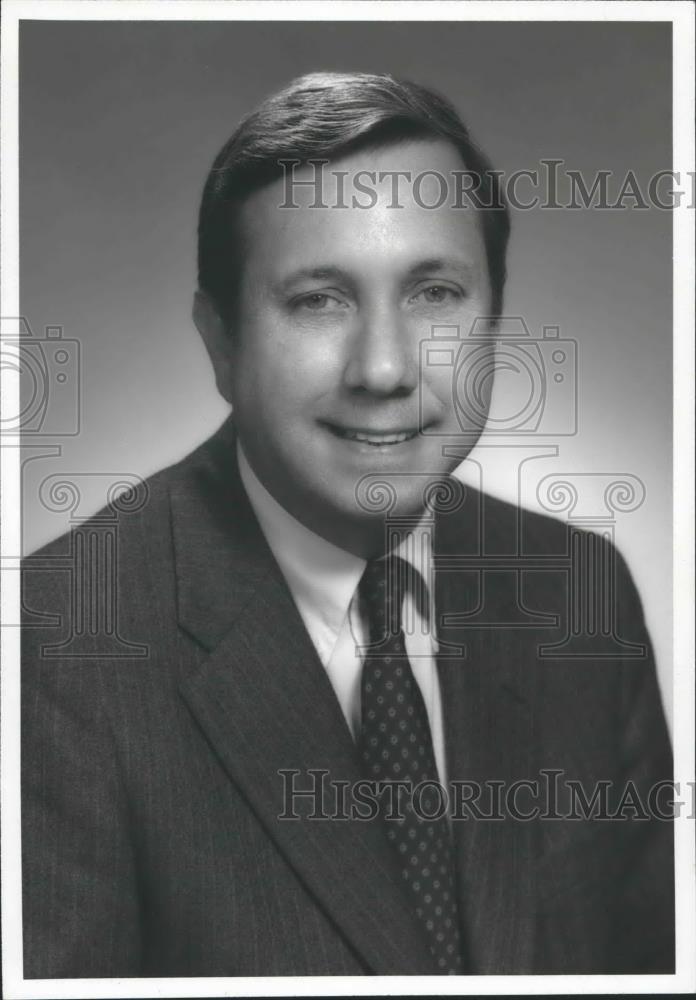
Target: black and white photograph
column 347, row 458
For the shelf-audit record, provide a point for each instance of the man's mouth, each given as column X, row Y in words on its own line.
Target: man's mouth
column 378, row 439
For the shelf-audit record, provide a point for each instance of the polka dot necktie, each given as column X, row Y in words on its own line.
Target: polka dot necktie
column 396, row 746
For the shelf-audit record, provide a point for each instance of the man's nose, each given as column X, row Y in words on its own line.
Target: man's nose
column 383, row 359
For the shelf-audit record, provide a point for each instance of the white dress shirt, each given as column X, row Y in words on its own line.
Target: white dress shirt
column 323, row 581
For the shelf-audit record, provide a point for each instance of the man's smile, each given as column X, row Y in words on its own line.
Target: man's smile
column 375, row 438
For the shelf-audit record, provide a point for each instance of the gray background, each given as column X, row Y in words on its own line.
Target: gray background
column 119, row 123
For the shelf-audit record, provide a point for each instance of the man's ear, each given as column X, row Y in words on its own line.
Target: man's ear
column 218, row 341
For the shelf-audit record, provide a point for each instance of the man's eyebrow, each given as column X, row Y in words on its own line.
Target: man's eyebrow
column 327, row 272
column 330, row 272
column 437, row 264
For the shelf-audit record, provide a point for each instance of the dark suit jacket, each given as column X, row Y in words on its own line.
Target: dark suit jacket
column 152, row 742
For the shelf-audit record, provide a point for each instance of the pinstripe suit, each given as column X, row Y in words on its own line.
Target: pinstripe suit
column 151, row 793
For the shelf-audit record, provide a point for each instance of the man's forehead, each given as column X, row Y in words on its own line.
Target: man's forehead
column 403, row 156
column 397, row 172
column 398, row 200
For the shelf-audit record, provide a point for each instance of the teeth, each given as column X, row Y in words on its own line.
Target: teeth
column 378, row 439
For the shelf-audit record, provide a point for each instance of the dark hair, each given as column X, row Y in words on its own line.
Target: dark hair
column 324, row 116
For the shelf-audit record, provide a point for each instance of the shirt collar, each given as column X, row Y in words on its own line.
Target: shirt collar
column 320, row 575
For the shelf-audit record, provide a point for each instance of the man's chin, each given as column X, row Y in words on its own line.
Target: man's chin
column 396, row 494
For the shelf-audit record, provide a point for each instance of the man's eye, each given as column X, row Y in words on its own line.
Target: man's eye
column 436, row 294
column 318, row 302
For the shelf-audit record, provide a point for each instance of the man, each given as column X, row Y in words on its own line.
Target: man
column 332, row 628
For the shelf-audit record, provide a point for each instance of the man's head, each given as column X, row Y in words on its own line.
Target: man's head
column 314, row 301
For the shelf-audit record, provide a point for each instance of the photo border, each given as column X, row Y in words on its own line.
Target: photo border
column 681, row 14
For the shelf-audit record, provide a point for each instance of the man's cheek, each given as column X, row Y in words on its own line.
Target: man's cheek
column 437, row 391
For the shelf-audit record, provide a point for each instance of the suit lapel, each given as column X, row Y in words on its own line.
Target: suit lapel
column 488, row 725
column 266, row 705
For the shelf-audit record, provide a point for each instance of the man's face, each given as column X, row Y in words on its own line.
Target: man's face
column 325, row 372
